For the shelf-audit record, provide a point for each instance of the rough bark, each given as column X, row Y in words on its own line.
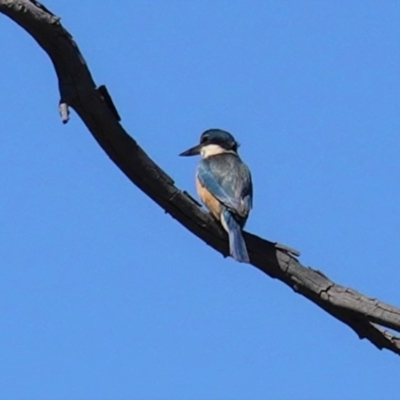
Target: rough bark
column 366, row 316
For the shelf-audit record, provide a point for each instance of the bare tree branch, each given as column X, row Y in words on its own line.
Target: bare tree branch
column 94, row 105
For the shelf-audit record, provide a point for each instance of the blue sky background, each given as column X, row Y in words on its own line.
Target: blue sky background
column 103, row 296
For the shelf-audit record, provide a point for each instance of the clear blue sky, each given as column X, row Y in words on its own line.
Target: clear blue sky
column 103, row 296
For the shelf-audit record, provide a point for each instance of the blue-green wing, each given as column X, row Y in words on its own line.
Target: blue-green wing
column 229, row 180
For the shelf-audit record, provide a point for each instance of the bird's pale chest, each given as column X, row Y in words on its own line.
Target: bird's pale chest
column 209, row 200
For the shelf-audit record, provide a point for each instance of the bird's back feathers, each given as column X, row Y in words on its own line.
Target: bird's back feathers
column 228, row 179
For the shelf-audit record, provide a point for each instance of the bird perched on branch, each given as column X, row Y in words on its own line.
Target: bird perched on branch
column 224, row 185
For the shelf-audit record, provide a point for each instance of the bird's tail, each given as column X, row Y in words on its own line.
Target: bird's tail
column 237, row 245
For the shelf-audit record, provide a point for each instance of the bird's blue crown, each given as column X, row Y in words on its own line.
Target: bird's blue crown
column 219, row 137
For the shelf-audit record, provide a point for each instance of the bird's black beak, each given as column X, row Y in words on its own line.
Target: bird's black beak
column 192, row 151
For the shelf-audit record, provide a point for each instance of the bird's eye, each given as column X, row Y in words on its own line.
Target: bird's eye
column 204, row 139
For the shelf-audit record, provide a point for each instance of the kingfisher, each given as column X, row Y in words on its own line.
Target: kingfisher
column 224, row 185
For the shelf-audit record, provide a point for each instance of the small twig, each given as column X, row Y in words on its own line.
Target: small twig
column 64, row 112
column 108, row 100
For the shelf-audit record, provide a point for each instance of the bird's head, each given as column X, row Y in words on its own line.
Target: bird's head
column 213, row 141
